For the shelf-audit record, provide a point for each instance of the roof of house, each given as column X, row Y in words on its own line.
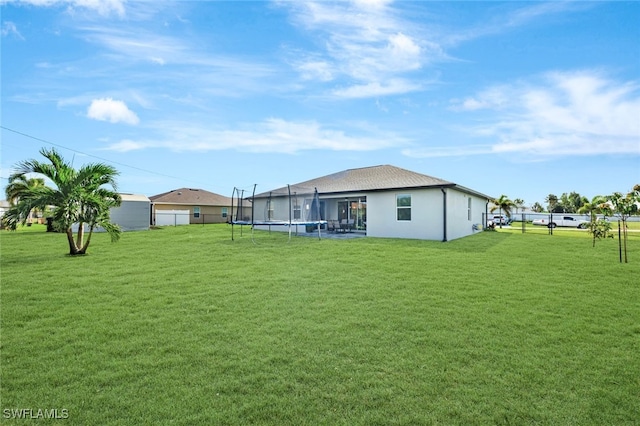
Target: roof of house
column 375, row 178
column 191, row 196
column 134, row 197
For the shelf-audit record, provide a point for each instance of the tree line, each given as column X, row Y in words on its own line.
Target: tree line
column 617, row 204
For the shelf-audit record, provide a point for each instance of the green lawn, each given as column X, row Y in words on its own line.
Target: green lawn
column 184, row 326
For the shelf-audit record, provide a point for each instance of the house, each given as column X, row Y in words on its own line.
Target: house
column 133, row 213
column 4, row 207
column 189, row 206
column 383, row 201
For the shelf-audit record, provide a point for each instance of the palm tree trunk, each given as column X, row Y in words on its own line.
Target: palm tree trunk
column 80, row 238
column 73, row 249
column 84, row 248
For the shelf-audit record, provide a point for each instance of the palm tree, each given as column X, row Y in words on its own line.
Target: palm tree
column 79, row 197
column 518, row 203
column 552, row 202
column 597, row 205
column 504, row 204
column 20, row 184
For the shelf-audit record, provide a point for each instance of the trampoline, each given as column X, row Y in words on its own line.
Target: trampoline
column 282, row 209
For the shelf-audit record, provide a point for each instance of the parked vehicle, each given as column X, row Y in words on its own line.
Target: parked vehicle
column 564, row 221
column 501, row 220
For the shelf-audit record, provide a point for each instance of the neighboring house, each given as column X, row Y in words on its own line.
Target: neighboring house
column 4, row 206
column 386, row 201
column 190, row 206
column 133, row 213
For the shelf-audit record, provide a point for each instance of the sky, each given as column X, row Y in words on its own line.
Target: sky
column 516, row 98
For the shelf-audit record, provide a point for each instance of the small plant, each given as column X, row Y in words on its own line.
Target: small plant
column 599, row 229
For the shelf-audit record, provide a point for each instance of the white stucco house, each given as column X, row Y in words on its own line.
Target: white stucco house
column 133, row 214
column 381, row 201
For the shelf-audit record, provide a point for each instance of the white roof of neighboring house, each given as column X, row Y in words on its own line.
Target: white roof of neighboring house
column 134, row 197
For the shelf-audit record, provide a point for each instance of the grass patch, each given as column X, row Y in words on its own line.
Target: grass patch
column 182, row 325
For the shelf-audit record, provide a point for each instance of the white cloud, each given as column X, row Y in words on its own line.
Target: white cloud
column 448, row 151
column 364, row 41
column 315, row 70
column 107, row 109
column 103, row 7
column 404, row 50
column 273, row 135
column 563, row 113
column 491, row 98
column 9, row 28
column 510, row 15
column 372, row 3
column 391, row 87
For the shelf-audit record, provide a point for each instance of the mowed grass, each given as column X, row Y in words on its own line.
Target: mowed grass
column 184, row 326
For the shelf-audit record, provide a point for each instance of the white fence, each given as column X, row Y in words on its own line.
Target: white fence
column 171, row 217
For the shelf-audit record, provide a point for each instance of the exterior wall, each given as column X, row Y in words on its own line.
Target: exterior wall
column 132, row 215
column 459, row 224
column 208, row 214
column 426, row 215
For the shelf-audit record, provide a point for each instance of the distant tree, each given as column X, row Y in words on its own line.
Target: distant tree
column 597, row 205
column 518, row 203
column 503, row 204
column 537, row 207
column 79, row 197
column 552, row 202
column 623, row 207
column 599, row 228
column 21, row 184
column 571, row 202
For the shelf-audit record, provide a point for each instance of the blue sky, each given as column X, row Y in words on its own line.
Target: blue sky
column 515, row 98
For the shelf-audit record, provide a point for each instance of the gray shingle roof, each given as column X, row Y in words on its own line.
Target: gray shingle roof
column 191, row 196
column 364, row 179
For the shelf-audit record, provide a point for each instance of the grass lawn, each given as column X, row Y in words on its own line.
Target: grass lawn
column 184, row 326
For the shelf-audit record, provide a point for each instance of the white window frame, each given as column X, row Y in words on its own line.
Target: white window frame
column 403, row 208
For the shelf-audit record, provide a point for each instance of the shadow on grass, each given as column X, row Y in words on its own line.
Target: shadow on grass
column 478, row 243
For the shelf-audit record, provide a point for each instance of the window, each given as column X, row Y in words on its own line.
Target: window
column 469, row 208
column 403, row 207
column 225, row 212
column 196, row 211
column 297, row 212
